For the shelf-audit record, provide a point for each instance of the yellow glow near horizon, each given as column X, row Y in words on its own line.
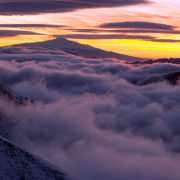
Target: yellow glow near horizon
column 138, row 48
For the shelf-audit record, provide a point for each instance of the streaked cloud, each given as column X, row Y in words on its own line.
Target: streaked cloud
column 106, row 36
column 21, row 7
column 118, row 36
column 9, row 33
column 31, row 26
column 133, row 31
column 138, row 25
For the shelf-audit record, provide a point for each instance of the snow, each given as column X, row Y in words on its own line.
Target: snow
column 15, row 163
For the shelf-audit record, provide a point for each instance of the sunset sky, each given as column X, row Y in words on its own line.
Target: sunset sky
column 142, row 28
column 90, row 113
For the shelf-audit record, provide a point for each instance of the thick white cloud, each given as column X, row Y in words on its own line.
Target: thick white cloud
column 91, row 118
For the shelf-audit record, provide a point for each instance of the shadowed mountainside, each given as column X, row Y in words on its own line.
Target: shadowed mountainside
column 15, row 163
column 78, row 49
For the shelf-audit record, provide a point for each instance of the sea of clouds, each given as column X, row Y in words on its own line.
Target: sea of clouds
column 94, row 118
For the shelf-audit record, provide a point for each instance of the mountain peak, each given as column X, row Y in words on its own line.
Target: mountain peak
column 77, row 49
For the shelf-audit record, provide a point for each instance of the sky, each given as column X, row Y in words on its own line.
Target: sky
column 141, row 28
column 96, row 118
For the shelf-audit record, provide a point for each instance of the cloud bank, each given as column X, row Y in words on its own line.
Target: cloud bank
column 92, row 118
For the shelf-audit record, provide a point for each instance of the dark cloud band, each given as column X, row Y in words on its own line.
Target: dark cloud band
column 137, row 31
column 106, row 36
column 9, row 33
column 31, row 25
column 21, row 7
column 138, row 25
column 119, row 36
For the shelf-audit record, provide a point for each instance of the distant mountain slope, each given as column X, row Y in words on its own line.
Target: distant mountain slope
column 170, row 61
column 78, row 49
column 172, row 78
column 16, row 164
column 5, row 92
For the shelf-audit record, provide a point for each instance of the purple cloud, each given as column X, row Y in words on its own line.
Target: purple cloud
column 20, row 7
column 138, row 25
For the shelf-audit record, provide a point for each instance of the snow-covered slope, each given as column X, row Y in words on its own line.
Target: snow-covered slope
column 5, row 92
column 16, row 164
column 77, row 49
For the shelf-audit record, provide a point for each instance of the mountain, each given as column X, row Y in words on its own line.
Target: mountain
column 170, row 60
column 172, row 78
column 17, row 164
column 77, row 49
column 7, row 93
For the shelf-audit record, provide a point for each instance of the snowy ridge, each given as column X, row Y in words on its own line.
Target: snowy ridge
column 8, row 93
column 16, row 163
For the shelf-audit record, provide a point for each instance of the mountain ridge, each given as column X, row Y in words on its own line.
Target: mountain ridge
column 77, row 49
column 16, row 163
column 162, row 60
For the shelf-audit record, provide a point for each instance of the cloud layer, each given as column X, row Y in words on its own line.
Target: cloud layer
column 92, row 118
